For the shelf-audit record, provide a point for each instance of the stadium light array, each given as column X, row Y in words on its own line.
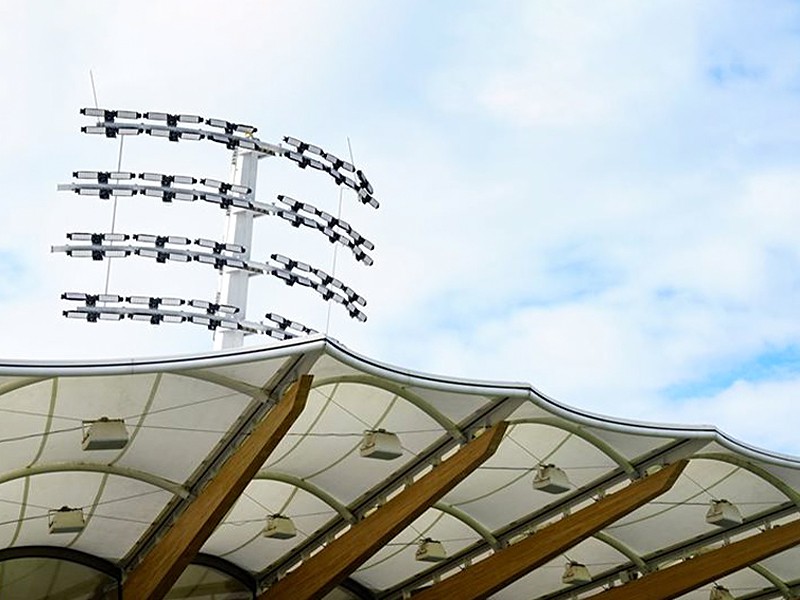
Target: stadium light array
column 231, row 257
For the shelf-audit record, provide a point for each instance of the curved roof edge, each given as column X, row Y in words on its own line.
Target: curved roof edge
column 399, row 375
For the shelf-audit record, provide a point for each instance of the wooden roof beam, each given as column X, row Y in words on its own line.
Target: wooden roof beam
column 506, row 566
column 318, row 575
column 153, row 577
column 693, row 573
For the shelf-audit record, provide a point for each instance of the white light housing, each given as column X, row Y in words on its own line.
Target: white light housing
column 551, row 479
column 105, row 316
column 430, row 551
column 185, row 196
column 720, row 593
column 114, row 253
column 723, row 514
column 575, row 573
column 174, row 318
column 93, row 112
column 66, row 520
column 173, row 301
column 105, row 434
column 109, row 298
column 381, row 444
column 158, row 131
column 128, row 114
column 115, row 237
column 129, row 130
column 191, row 135
column 279, row 527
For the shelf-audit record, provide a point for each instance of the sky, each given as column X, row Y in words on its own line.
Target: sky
column 597, row 198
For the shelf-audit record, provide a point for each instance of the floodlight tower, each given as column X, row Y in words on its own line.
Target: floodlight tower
column 226, row 315
column 235, row 282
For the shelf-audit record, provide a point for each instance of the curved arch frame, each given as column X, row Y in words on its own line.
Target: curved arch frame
column 473, row 524
column 63, row 553
column 113, row 571
column 773, row 579
column 233, row 571
column 759, row 472
column 44, row 469
column 586, row 436
column 398, row 390
column 623, row 549
column 309, row 487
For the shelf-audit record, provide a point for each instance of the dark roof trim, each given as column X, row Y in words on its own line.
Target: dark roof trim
column 60, row 553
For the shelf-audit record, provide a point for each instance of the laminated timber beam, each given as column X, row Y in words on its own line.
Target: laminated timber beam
column 695, row 572
column 153, row 577
column 318, row 575
column 506, row 566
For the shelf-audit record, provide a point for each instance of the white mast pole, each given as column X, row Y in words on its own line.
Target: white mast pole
column 233, row 288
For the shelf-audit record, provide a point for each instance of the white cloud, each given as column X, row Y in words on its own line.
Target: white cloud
column 598, row 198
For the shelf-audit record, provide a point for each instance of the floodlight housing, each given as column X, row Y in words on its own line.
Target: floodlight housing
column 430, row 551
column 551, row 479
column 723, row 513
column 279, row 527
column 104, row 434
column 66, row 520
column 575, row 574
column 380, row 444
column 94, row 112
column 720, row 593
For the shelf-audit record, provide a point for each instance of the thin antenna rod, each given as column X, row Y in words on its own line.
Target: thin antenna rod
column 336, row 246
column 119, row 166
column 94, row 89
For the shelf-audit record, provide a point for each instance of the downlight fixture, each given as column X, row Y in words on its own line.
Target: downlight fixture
column 719, row 592
column 430, row 550
column 104, row 434
column 66, row 520
column 723, row 513
column 551, row 479
column 380, row 444
column 575, row 573
column 279, row 527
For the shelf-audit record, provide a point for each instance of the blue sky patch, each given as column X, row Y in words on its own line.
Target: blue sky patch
column 735, row 71
column 12, row 273
column 773, row 364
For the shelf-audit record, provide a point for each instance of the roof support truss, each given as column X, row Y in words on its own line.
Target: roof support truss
column 695, row 572
column 161, row 567
column 329, row 567
column 510, row 564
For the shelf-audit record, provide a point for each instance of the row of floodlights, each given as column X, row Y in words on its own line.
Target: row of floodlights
column 159, row 241
column 228, row 195
column 151, row 309
column 299, row 156
column 109, row 177
column 109, row 116
column 236, row 135
column 287, row 269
